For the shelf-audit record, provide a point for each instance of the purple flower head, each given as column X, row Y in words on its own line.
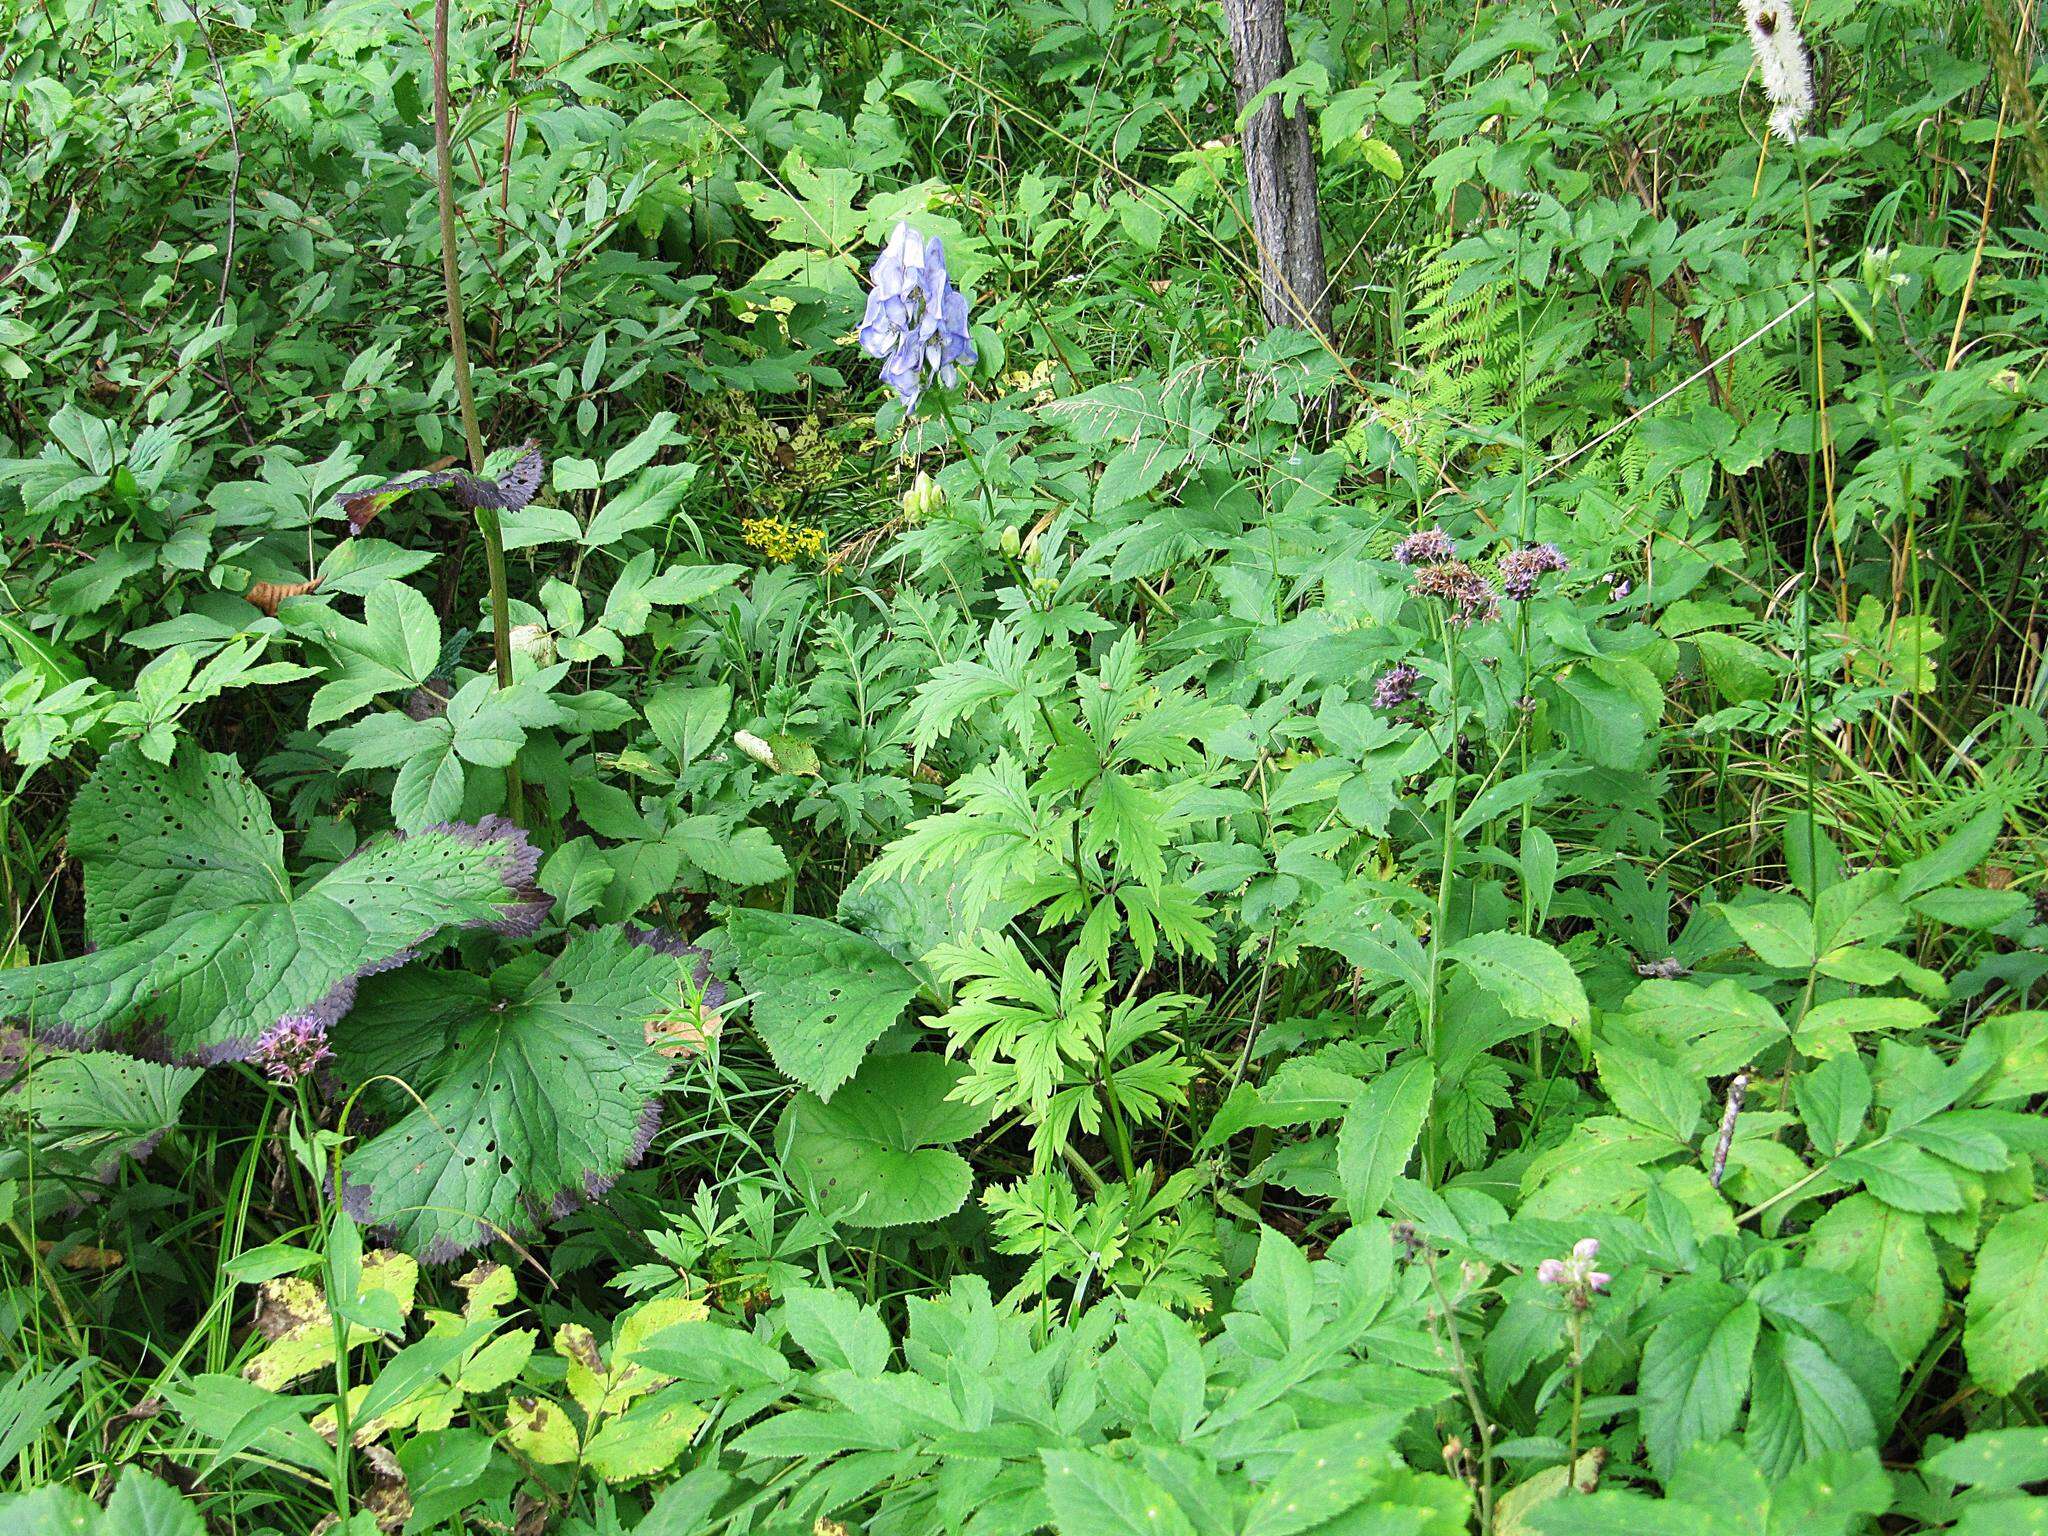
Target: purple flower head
column 1430, row 546
column 1520, row 569
column 1395, row 687
column 293, row 1047
column 1469, row 595
column 916, row 320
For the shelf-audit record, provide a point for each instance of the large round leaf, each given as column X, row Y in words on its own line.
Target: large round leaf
column 544, row 1098
column 822, row 993
column 876, row 1156
column 201, row 936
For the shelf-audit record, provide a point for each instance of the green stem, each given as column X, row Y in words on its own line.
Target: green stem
column 1571, row 1456
column 1119, row 1133
column 1430, row 1161
column 458, row 357
column 1810, row 554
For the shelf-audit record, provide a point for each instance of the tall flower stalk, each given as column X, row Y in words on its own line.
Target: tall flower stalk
column 487, row 522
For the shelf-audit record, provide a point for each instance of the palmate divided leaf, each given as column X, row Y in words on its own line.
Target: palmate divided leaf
column 202, row 944
column 547, row 1094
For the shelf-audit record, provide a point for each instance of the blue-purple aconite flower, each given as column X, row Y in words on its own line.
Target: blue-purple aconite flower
column 916, row 320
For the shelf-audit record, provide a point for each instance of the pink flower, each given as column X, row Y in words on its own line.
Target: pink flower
column 1576, row 1276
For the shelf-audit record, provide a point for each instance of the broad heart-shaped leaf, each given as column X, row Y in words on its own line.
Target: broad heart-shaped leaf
column 822, row 993
column 203, row 943
column 2003, row 1335
column 543, row 1099
column 876, row 1155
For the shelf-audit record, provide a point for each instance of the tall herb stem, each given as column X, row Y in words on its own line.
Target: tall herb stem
column 458, row 356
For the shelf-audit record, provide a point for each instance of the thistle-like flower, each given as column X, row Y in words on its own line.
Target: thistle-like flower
column 1429, row 546
column 916, row 320
column 1783, row 64
column 1469, row 595
column 1576, row 1276
column 1395, row 687
column 292, row 1048
column 1520, row 569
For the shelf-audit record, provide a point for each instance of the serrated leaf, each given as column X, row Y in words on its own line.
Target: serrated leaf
column 143, row 1506
column 835, row 1330
column 1804, row 1405
column 223, row 948
column 2003, row 1336
column 1379, row 1135
column 1889, row 1254
column 740, row 856
column 1696, row 1371
column 545, row 1098
column 394, row 649
column 822, row 993
column 877, row 1155
column 1528, row 977
column 1994, row 1458
column 1094, row 1496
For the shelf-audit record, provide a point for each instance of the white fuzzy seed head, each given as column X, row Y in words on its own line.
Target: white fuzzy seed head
column 1782, row 63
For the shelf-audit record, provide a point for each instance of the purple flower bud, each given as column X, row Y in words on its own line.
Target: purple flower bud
column 916, row 320
column 1395, row 687
column 293, row 1047
column 1550, row 1272
column 1427, row 547
column 1521, row 568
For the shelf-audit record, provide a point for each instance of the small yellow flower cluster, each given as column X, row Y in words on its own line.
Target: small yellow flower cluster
column 782, row 541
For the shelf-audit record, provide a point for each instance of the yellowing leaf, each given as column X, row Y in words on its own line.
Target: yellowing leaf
column 538, row 1429
column 292, row 1313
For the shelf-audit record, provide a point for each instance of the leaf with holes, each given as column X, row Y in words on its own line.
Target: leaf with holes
column 877, row 1156
column 822, row 993
column 202, row 942
column 546, row 1095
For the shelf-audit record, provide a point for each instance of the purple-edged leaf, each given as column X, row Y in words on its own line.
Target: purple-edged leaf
column 543, row 1100
column 203, row 943
column 509, row 491
column 363, row 507
column 506, row 492
column 78, row 1114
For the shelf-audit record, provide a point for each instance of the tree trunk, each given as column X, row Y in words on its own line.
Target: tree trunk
column 1280, row 173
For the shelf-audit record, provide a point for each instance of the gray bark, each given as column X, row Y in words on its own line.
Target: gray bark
column 1280, row 174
